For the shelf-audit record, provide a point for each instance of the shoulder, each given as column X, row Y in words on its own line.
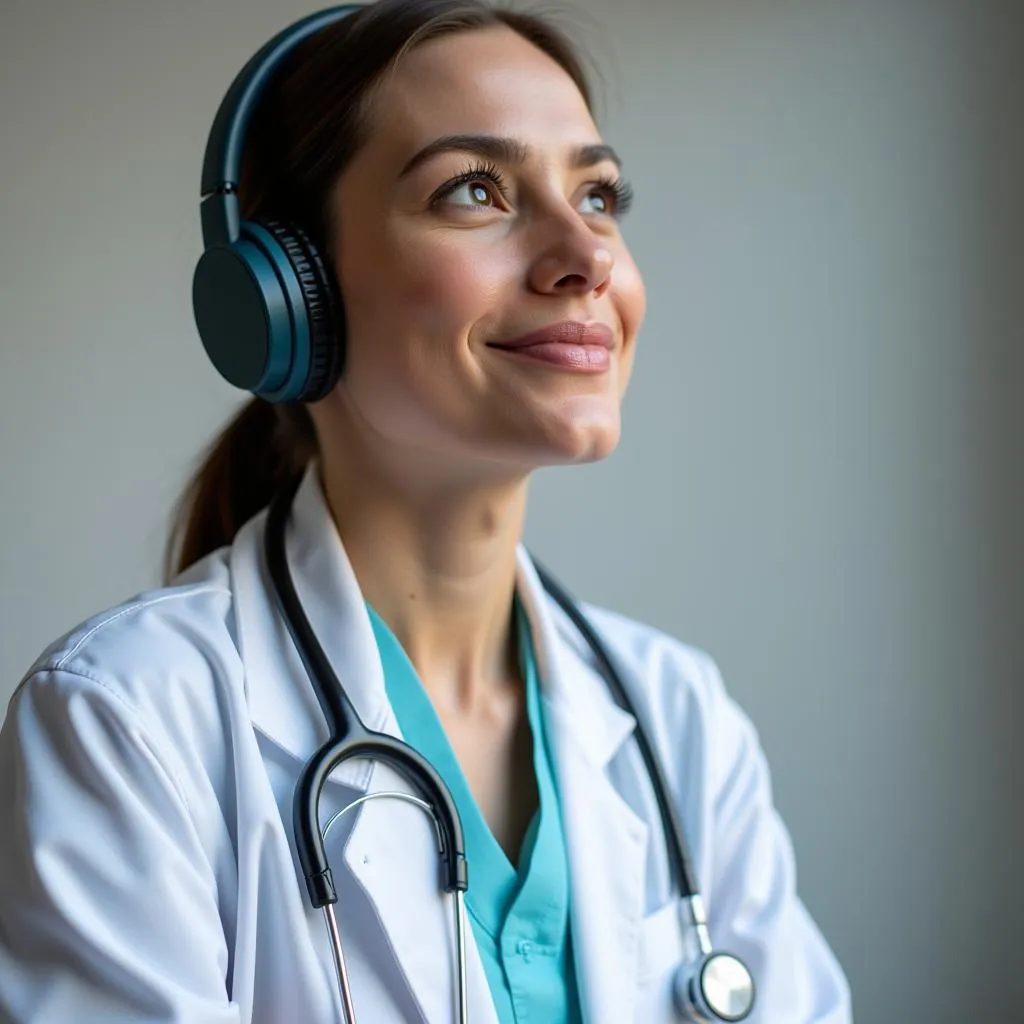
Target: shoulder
column 159, row 661
column 678, row 689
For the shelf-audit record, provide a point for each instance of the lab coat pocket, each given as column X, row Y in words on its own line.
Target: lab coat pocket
column 661, row 953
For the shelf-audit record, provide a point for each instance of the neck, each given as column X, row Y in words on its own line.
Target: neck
column 438, row 564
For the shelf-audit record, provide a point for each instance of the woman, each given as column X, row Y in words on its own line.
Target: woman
column 444, row 158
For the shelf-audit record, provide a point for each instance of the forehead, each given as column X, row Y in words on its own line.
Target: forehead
column 488, row 81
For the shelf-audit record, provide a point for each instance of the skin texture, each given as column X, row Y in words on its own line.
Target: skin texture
column 428, row 440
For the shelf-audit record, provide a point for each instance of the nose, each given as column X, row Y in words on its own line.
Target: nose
column 572, row 261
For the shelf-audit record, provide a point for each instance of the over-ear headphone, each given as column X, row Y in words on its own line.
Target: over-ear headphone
column 268, row 309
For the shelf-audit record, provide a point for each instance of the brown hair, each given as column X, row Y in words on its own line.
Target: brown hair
column 305, row 130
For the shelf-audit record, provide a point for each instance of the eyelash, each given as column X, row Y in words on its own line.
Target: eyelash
column 620, row 191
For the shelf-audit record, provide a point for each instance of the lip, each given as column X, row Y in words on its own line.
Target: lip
column 568, row 346
column 566, row 332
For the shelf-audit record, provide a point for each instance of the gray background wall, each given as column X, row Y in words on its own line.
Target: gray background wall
column 820, row 479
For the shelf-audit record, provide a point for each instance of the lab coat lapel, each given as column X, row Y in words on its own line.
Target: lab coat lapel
column 606, row 841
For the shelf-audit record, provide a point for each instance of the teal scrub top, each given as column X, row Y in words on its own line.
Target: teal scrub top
column 519, row 915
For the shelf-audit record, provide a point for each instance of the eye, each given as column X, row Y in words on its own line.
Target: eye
column 609, row 197
column 480, row 187
column 476, row 194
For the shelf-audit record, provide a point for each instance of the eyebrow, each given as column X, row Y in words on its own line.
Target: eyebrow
column 505, row 150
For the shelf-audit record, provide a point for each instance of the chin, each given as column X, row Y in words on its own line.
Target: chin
column 582, row 439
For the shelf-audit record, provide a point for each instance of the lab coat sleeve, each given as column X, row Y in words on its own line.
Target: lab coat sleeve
column 753, row 908
column 108, row 908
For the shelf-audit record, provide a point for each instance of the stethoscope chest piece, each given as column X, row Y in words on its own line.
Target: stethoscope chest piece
column 719, row 989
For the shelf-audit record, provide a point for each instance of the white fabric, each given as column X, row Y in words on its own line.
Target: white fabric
column 147, row 867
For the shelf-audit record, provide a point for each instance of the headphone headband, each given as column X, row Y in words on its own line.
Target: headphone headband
column 222, row 162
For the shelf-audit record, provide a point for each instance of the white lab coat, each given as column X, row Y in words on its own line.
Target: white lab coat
column 147, row 867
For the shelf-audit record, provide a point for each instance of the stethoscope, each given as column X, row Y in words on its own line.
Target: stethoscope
column 715, row 987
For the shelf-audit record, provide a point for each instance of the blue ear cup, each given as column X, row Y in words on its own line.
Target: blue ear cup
column 269, row 314
column 267, row 308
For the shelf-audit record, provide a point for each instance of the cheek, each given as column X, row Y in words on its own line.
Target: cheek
column 629, row 297
column 628, row 293
column 431, row 287
column 411, row 305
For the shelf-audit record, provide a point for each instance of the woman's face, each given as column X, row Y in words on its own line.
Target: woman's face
column 446, row 248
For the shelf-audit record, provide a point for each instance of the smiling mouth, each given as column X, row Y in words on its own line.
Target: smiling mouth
column 568, row 345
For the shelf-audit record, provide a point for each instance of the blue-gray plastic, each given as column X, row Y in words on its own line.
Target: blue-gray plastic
column 222, row 161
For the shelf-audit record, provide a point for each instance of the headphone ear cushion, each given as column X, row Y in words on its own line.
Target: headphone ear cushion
column 324, row 309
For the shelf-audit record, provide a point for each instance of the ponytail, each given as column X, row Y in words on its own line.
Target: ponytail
column 260, row 450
